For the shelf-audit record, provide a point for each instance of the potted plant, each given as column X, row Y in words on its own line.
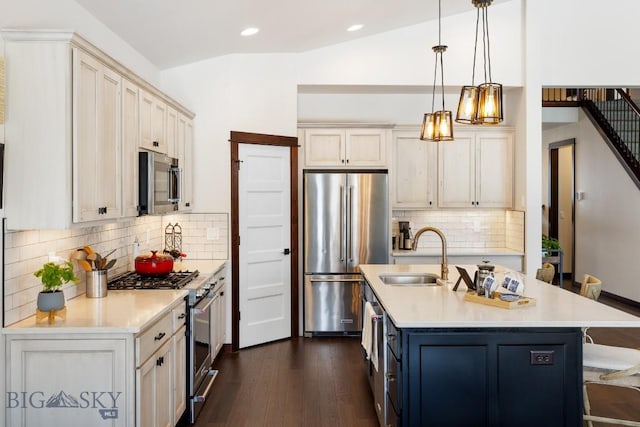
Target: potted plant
column 53, row 276
column 549, row 244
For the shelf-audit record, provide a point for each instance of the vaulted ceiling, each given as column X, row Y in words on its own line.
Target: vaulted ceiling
column 171, row 33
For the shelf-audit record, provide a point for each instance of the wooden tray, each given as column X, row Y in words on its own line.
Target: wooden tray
column 496, row 302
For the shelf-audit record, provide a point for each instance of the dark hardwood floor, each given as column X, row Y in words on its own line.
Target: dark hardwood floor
column 321, row 382
column 300, row 382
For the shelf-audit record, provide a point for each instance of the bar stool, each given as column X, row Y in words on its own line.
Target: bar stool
column 591, row 287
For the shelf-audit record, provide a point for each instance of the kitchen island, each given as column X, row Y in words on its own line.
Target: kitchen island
column 453, row 362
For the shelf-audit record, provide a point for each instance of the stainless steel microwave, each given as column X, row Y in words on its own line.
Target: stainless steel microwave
column 159, row 183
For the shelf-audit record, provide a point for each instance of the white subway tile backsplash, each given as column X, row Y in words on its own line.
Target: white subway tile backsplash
column 467, row 228
column 26, row 251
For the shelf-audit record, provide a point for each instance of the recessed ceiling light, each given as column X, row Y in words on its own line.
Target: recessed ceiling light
column 355, row 27
column 249, row 31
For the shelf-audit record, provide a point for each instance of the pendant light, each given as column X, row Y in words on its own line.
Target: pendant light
column 438, row 125
column 481, row 104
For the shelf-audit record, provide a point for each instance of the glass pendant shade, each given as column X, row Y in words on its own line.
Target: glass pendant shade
column 481, row 104
column 437, row 126
column 468, row 105
column 444, row 126
column 490, row 103
column 428, row 127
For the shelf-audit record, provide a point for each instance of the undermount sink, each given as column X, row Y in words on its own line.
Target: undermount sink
column 407, row 279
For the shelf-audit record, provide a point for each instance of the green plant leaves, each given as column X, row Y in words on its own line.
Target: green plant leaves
column 53, row 275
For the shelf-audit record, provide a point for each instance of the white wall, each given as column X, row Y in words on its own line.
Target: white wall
column 587, row 42
column 247, row 93
column 607, row 234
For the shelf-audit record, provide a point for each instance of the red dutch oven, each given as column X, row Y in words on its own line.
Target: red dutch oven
column 154, row 264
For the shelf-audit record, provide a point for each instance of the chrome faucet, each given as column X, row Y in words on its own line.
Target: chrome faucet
column 444, row 268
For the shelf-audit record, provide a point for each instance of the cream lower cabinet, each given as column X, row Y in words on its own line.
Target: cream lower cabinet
column 345, row 147
column 476, row 169
column 81, row 380
column 92, row 379
column 218, row 311
column 154, row 397
column 414, row 173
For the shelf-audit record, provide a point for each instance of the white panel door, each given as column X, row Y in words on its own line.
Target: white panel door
column 264, row 224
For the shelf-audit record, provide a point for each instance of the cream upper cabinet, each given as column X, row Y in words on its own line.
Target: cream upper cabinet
column 172, row 132
column 348, row 147
column 185, row 160
column 96, row 139
column 476, row 169
column 75, row 165
column 153, row 121
column 130, row 138
column 414, row 172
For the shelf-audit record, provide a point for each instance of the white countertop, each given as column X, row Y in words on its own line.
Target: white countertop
column 459, row 252
column 204, row 266
column 129, row 311
column 441, row 307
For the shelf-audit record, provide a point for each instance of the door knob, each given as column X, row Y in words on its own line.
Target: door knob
column 287, row 251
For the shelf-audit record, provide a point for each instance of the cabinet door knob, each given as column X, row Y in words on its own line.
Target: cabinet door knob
column 156, row 144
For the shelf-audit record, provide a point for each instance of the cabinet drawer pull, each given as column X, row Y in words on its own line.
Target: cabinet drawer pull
column 159, row 336
column 182, row 316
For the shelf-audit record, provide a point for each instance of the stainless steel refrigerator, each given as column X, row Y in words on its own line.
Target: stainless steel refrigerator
column 346, row 223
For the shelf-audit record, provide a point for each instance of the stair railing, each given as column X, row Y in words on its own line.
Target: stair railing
column 617, row 118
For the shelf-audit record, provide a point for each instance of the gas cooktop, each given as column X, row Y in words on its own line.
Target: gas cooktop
column 133, row 280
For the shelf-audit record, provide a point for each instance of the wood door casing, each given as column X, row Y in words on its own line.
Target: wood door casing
column 237, row 138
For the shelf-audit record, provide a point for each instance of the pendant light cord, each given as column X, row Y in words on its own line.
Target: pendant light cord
column 475, row 49
column 488, row 60
column 440, row 44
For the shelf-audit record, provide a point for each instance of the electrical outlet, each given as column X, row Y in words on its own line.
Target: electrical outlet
column 213, row 233
column 542, row 357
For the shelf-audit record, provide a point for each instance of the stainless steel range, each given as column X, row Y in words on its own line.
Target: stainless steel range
column 200, row 376
column 133, row 280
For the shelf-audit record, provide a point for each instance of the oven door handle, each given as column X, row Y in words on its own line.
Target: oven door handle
column 202, row 310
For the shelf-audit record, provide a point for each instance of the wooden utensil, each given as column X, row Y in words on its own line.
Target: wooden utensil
column 84, row 264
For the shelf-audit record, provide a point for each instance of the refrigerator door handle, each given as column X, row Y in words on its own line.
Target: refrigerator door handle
column 348, row 280
column 342, row 243
column 350, row 219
